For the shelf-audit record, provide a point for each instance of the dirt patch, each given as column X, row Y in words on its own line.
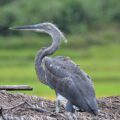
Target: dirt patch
column 24, row 107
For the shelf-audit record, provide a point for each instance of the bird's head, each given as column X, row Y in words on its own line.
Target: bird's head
column 47, row 27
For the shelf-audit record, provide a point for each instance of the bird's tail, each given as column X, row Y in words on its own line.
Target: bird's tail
column 93, row 106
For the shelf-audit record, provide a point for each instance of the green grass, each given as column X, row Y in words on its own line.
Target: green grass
column 100, row 61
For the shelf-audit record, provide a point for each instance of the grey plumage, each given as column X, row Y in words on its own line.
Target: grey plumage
column 68, row 80
column 62, row 74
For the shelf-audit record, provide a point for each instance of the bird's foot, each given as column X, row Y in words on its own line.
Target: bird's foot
column 71, row 116
column 57, row 109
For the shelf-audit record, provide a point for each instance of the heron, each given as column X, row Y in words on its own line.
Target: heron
column 61, row 73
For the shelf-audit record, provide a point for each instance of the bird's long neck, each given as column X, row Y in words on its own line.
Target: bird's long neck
column 45, row 52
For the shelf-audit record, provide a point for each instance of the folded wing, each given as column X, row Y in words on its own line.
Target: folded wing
column 74, row 84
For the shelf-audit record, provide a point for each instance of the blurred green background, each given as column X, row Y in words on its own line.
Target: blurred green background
column 92, row 28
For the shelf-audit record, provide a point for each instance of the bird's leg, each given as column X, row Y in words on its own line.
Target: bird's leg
column 70, row 111
column 69, row 107
column 60, row 100
column 57, row 110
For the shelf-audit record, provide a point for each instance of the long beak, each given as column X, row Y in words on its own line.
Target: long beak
column 27, row 27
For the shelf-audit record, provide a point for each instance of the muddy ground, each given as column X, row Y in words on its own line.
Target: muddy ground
column 24, row 107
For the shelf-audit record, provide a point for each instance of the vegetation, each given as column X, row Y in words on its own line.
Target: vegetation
column 70, row 16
